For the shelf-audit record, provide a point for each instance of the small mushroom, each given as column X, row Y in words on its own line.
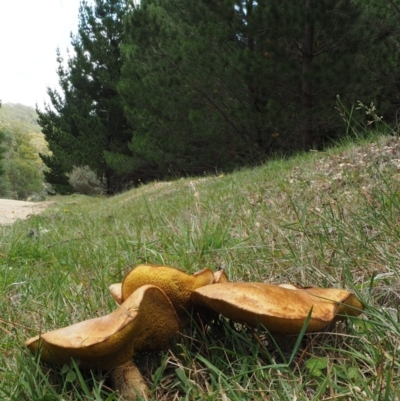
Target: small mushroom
column 116, row 292
column 220, row 277
column 281, row 310
column 176, row 284
column 145, row 321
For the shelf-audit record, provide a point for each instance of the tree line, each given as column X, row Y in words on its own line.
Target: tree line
column 170, row 88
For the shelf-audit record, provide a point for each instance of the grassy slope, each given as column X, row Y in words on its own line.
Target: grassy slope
column 322, row 219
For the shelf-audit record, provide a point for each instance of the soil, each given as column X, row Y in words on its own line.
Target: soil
column 11, row 210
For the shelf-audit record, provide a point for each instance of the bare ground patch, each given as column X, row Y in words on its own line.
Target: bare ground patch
column 12, row 210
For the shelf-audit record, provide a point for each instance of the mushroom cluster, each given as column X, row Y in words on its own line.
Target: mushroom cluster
column 154, row 304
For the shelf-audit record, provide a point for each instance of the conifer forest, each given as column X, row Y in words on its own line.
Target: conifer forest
column 163, row 89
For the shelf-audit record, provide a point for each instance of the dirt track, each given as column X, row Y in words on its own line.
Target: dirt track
column 11, row 210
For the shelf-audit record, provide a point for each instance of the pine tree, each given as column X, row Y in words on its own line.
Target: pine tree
column 85, row 123
column 181, row 90
column 211, row 84
column 298, row 55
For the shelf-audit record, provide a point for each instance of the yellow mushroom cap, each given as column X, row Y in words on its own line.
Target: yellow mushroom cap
column 219, row 277
column 279, row 309
column 176, row 284
column 145, row 321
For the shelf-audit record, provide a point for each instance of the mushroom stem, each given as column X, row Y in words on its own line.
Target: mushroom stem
column 129, row 382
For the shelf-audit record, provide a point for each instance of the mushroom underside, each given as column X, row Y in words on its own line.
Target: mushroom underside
column 145, row 321
column 279, row 309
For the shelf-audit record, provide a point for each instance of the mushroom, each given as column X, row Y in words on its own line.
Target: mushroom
column 145, row 321
column 177, row 285
column 116, row 292
column 281, row 310
column 220, row 277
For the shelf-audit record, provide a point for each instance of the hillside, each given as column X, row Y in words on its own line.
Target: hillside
column 23, row 142
column 325, row 219
column 17, row 114
column 17, row 117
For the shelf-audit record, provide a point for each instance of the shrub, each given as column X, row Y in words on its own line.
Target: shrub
column 22, row 179
column 85, row 181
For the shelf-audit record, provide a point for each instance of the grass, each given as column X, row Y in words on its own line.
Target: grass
column 320, row 219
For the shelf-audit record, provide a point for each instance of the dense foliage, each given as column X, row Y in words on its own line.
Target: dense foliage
column 169, row 88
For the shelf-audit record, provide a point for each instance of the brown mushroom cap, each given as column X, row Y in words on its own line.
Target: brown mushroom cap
column 279, row 309
column 145, row 321
column 347, row 303
column 176, row 284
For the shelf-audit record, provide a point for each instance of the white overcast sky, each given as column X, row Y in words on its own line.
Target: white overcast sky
column 30, row 32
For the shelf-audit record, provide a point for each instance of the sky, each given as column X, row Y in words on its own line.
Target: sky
column 30, row 32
